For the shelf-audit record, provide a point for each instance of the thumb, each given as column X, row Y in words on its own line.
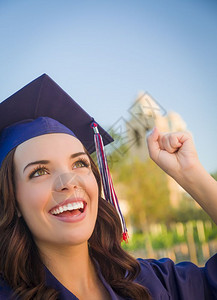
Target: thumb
column 153, row 145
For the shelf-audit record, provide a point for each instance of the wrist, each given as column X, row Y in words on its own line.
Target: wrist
column 191, row 176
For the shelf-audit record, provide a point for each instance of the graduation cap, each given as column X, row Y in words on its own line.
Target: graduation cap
column 43, row 107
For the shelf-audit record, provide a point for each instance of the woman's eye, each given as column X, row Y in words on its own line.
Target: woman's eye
column 38, row 172
column 81, row 164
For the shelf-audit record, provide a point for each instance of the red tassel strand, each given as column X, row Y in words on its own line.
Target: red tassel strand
column 108, row 187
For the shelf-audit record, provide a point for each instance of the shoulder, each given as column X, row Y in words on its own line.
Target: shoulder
column 179, row 281
column 5, row 291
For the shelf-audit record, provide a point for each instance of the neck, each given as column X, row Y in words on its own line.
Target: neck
column 71, row 265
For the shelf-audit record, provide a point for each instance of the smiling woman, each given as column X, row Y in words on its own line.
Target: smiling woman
column 59, row 239
column 56, row 232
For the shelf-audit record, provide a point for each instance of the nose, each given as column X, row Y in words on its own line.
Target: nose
column 66, row 186
column 66, row 182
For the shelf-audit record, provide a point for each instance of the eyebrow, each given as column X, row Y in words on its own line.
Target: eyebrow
column 45, row 162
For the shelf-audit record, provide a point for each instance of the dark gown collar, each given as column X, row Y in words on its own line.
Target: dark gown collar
column 65, row 294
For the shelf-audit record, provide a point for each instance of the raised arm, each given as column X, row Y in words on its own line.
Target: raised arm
column 175, row 153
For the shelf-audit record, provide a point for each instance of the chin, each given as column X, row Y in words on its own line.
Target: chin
column 77, row 239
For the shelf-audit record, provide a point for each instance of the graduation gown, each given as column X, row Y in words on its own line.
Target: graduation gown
column 164, row 279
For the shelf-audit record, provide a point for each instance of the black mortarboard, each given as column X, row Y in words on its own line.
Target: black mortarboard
column 43, row 98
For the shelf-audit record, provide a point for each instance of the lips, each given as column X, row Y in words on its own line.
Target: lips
column 70, row 210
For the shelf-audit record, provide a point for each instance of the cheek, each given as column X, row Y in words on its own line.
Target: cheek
column 30, row 199
column 93, row 187
column 32, row 204
column 95, row 197
column 92, row 190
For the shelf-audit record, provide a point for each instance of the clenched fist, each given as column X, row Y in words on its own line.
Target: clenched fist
column 173, row 152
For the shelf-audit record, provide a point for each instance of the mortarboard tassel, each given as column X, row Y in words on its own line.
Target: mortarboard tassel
column 108, row 187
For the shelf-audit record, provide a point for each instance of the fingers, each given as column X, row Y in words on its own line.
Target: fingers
column 170, row 142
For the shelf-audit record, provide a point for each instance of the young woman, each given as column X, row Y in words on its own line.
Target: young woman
column 60, row 240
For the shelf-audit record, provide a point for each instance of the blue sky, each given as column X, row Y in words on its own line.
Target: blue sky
column 108, row 51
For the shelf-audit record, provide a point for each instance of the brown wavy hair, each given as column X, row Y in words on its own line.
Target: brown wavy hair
column 20, row 262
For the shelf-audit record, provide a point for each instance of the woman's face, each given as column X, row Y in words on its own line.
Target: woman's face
column 56, row 190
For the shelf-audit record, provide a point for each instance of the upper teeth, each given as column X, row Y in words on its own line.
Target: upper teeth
column 69, row 206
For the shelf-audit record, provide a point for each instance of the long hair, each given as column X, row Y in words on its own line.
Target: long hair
column 20, row 262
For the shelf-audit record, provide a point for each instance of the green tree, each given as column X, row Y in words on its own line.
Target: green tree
column 214, row 175
column 188, row 210
column 145, row 190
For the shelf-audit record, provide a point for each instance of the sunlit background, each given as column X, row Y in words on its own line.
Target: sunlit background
column 103, row 53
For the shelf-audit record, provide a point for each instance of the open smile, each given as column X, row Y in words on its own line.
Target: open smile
column 70, row 211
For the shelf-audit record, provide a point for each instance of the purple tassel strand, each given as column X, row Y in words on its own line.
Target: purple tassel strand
column 108, row 187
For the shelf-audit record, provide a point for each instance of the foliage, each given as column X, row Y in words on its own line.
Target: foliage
column 189, row 210
column 211, row 233
column 214, row 175
column 167, row 237
column 145, row 190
